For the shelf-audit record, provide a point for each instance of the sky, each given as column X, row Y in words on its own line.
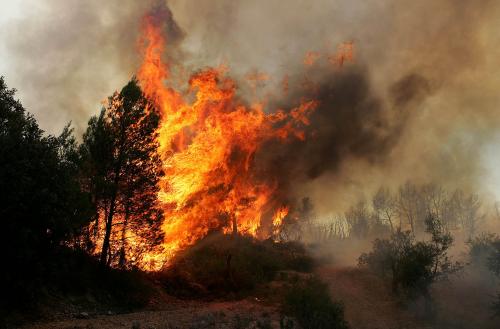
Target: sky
column 66, row 56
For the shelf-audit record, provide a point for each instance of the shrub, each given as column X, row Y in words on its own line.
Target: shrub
column 482, row 249
column 74, row 273
column 412, row 266
column 494, row 258
column 227, row 263
column 309, row 302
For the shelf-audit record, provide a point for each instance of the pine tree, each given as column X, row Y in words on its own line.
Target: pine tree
column 42, row 205
column 123, row 169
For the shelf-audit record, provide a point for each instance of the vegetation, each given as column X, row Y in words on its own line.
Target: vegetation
column 407, row 208
column 484, row 253
column 309, row 302
column 482, row 249
column 121, row 170
column 71, row 213
column 494, row 258
column 222, row 264
column 53, row 189
column 412, row 266
column 42, row 204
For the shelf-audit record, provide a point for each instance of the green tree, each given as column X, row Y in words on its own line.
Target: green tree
column 484, row 254
column 42, row 205
column 412, row 266
column 123, row 168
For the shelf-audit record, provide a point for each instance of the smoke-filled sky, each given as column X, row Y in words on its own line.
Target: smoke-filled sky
column 420, row 102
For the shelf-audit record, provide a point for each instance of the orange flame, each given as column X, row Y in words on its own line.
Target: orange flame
column 207, row 147
column 311, row 57
column 278, row 217
column 345, row 53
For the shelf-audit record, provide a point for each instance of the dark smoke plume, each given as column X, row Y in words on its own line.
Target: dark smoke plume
column 420, row 102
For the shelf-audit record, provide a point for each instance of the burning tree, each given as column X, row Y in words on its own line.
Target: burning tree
column 208, row 141
column 122, row 172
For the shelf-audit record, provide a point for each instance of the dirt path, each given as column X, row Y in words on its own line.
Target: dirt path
column 368, row 305
column 238, row 314
column 463, row 302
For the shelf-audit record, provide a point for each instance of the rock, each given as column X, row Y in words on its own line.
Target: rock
column 136, row 325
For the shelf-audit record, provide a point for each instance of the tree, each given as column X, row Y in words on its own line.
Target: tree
column 384, row 206
column 412, row 266
column 358, row 219
column 407, row 203
column 468, row 212
column 484, row 253
column 482, row 249
column 42, row 205
column 123, row 169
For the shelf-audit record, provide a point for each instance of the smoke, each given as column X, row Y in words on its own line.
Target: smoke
column 419, row 102
column 66, row 57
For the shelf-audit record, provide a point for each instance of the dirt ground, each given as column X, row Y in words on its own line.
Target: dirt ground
column 367, row 302
column 462, row 304
column 237, row 314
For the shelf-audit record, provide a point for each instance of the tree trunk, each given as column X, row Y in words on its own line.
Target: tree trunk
column 112, row 205
column 122, row 260
column 109, row 219
column 410, row 220
column 107, row 235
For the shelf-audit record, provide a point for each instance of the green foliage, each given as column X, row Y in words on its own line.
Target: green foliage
column 494, row 259
column 482, row 250
column 231, row 263
column 412, row 266
column 42, row 204
column 309, row 302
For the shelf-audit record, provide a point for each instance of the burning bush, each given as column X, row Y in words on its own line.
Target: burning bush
column 221, row 264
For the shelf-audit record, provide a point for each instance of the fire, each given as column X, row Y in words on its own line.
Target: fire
column 344, row 53
column 278, row 218
column 311, row 57
column 208, row 141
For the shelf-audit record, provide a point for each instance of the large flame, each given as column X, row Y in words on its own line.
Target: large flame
column 207, row 143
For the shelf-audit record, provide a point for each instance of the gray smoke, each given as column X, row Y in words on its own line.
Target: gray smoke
column 420, row 102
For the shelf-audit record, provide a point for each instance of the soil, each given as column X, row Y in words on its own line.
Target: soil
column 462, row 303
column 246, row 313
